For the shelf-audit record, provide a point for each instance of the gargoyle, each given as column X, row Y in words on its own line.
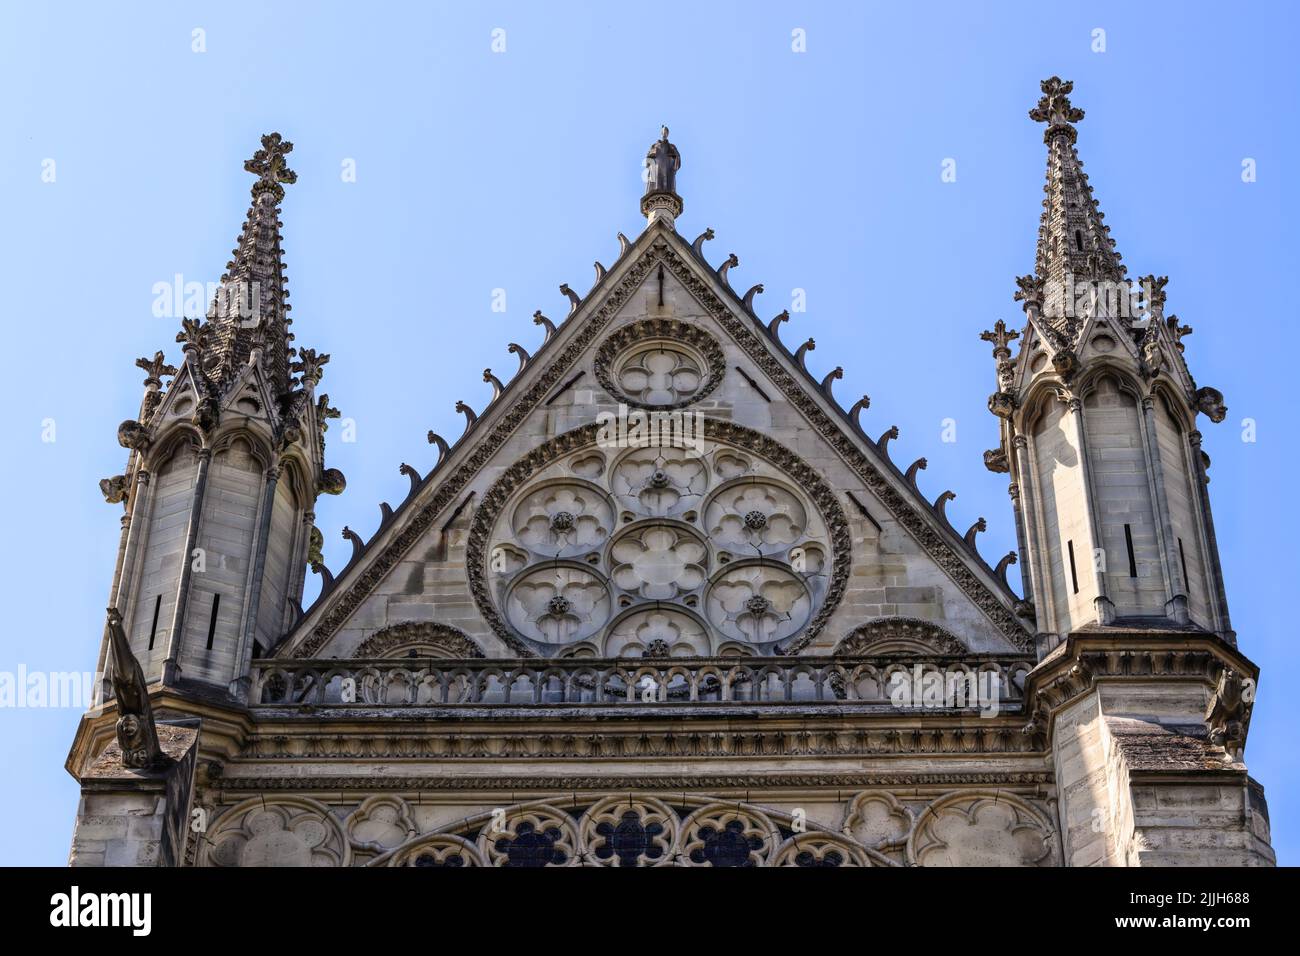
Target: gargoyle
column 1228, row 712
column 1209, row 401
column 133, row 435
column 995, row 460
column 136, row 733
column 331, row 482
column 114, row 489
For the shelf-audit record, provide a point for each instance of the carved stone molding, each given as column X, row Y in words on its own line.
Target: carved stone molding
column 1085, row 659
column 982, row 736
column 667, row 782
column 625, row 340
column 899, row 635
column 426, row 638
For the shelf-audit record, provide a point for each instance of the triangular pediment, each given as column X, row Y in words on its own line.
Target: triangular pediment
column 837, row 536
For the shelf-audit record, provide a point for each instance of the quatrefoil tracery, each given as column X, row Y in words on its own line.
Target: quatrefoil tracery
column 717, row 546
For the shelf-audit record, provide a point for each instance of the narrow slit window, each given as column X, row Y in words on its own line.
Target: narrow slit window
column 153, row 630
column 212, row 623
column 1132, row 559
column 1074, row 575
column 1078, row 240
column 1182, row 559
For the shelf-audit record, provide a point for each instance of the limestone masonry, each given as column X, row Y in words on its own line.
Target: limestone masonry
column 665, row 603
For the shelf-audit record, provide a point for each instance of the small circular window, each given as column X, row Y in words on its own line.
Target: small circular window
column 660, row 363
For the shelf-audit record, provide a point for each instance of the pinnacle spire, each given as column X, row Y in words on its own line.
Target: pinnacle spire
column 249, row 315
column 1074, row 246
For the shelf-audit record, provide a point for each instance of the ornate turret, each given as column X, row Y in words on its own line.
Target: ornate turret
column 224, row 468
column 661, row 202
column 1098, row 424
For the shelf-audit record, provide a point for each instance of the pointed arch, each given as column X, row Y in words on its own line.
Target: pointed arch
column 419, row 639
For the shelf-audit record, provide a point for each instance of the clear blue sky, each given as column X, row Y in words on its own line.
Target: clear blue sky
column 479, row 171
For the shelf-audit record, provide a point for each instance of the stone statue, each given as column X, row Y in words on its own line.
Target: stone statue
column 661, row 164
column 136, row 733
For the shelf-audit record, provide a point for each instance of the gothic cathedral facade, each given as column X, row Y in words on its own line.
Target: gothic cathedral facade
column 667, row 602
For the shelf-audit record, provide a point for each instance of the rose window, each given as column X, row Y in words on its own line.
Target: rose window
column 659, row 552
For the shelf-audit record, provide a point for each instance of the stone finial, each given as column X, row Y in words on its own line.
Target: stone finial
column 269, row 167
column 1001, row 337
column 1055, row 109
column 310, row 365
column 661, row 202
column 155, row 368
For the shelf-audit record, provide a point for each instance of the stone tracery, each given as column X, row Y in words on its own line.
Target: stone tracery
column 714, row 545
column 964, row 826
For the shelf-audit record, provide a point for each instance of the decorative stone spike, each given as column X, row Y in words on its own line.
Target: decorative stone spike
column 749, row 296
column 774, row 327
column 358, row 545
column 471, row 417
column 700, row 240
column 978, row 527
column 600, row 270
column 883, row 441
column 539, row 319
column 860, row 406
column 1001, row 570
column 919, row 465
column 411, row 474
column 326, row 578
column 575, row 301
column 731, row 262
column 436, row 439
column 941, row 505
column 497, row 387
column 836, row 373
column 802, row 352
column 518, row 350
column 624, row 245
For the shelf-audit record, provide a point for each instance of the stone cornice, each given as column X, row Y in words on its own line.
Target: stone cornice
column 1088, row 659
column 665, row 783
